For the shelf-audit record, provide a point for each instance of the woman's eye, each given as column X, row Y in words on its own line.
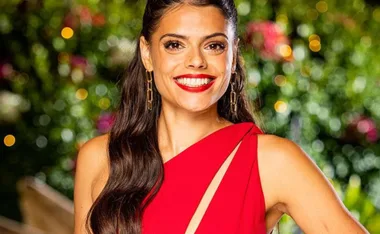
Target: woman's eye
column 217, row 47
column 172, row 45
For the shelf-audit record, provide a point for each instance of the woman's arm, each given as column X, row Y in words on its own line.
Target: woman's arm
column 308, row 196
column 90, row 177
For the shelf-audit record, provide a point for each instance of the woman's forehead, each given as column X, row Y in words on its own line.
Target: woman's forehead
column 193, row 21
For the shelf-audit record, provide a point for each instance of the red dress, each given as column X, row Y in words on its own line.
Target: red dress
column 237, row 206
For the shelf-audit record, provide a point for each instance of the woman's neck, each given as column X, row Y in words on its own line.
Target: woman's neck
column 177, row 130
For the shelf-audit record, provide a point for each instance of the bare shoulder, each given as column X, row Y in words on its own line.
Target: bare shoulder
column 281, row 156
column 90, row 177
column 292, row 181
column 276, row 157
column 269, row 143
column 93, row 161
column 96, row 146
column 271, row 158
column 95, row 150
column 278, row 154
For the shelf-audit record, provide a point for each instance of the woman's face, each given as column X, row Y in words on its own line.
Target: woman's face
column 192, row 54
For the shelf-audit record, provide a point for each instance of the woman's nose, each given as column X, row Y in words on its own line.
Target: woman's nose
column 196, row 60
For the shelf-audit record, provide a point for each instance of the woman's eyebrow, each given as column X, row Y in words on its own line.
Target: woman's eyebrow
column 186, row 37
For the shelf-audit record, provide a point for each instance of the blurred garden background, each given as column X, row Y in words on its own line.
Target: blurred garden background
column 313, row 67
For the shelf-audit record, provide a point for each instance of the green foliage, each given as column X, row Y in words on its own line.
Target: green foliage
column 316, row 81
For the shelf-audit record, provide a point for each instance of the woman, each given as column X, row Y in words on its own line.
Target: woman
column 185, row 154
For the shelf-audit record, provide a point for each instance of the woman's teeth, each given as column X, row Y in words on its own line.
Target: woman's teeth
column 193, row 82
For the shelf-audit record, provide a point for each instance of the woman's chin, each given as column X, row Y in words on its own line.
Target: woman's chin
column 191, row 105
column 196, row 108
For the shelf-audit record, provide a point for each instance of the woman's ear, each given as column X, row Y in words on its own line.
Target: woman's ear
column 235, row 55
column 145, row 54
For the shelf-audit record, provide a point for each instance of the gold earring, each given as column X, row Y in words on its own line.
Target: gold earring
column 233, row 98
column 149, row 91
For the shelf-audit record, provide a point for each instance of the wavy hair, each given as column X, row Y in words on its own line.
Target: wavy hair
column 136, row 166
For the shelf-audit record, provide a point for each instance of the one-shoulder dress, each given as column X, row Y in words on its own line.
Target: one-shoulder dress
column 236, row 207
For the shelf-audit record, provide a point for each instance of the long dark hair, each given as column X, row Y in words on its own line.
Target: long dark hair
column 136, row 166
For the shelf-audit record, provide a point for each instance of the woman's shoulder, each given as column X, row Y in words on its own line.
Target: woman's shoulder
column 97, row 145
column 94, row 152
column 282, row 154
column 269, row 159
column 279, row 155
column 92, row 161
column 283, row 164
column 270, row 143
column 90, row 177
column 294, row 184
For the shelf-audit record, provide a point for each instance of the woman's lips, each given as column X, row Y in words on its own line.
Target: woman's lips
column 199, row 88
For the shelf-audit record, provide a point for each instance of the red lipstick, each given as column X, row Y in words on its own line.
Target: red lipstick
column 199, row 88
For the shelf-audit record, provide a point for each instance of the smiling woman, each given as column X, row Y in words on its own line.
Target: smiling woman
column 186, row 154
column 184, row 44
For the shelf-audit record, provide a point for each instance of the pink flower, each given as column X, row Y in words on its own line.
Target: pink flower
column 267, row 37
column 367, row 127
column 5, row 70
column 105, row 122
column 361, row 126
column 78, row 62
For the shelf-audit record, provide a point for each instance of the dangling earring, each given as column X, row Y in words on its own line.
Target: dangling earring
column 149, row 91
column 233, row 99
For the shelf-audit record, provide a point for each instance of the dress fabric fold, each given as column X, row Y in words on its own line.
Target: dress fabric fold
column 237, row 205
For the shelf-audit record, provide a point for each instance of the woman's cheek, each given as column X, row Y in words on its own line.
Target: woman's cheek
column 172, row 62
column 167, row 62
column 218, row 62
